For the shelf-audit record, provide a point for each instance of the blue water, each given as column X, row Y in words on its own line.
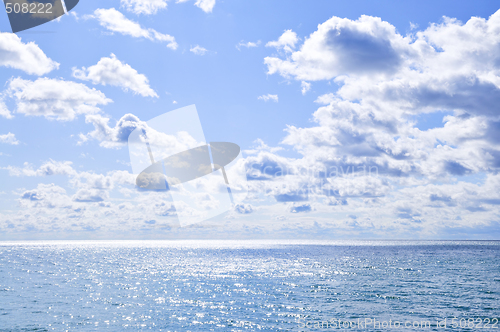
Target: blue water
column 245, row 286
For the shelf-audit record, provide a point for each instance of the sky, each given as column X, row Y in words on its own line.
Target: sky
column 356, row 119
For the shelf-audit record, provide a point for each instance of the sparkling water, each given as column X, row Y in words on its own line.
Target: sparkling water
column 248, row 286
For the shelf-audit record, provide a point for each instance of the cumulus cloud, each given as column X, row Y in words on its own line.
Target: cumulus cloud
column 151, row 7
column 268, row 97
column 45, row 195
column 260, row 145
column 247, row 44
column 147, row 7
column 4, row 111
column 305, row 87
column 49, row 207
column 285, row 42
column 244, row 208
column 198, row 50
column 114, row 72
column 364, row 162
column 117, row 136
column 369, row 119
column 89, row 181
column 206, row 5
column 111, row 137
column 340, row 47
column 54, row 98
column 90, row 195
column 366, row 154
column 165, row 209
column 9, row 138
column 26, row 57
column 115, row 21
column 298, row 208
column 48, row 168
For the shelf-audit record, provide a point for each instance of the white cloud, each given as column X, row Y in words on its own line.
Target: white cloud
column 326, row 99
column 420, row 185
column 388, row 82
column 261, row 146
column 82, row 180
column 198, row 50
column 247, row 44
column 4, row 111
column 115, row 21
column 90, row 195
column 341, row 47
column 305, row 87
column 9, row 138
column 268, row 97
column 48, row 168
column 286, row 41
column 111, row 137
column 418, row 210
column 147, row 7
column 206, row 5
column 50, row 207
column 26, row 57
column 114, row 72
column 298, row 208
column 48, row 196
column 54, row 98
column 243, row 208
column 117, row 136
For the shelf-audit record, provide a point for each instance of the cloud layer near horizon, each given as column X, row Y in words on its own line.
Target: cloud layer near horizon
column 365, row 164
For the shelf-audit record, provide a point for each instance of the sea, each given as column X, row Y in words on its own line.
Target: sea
column 250, row 286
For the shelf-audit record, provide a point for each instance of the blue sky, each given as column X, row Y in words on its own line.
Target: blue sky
column 407, row 87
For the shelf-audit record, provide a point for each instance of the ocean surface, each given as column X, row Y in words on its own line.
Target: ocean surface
column 249, row 286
